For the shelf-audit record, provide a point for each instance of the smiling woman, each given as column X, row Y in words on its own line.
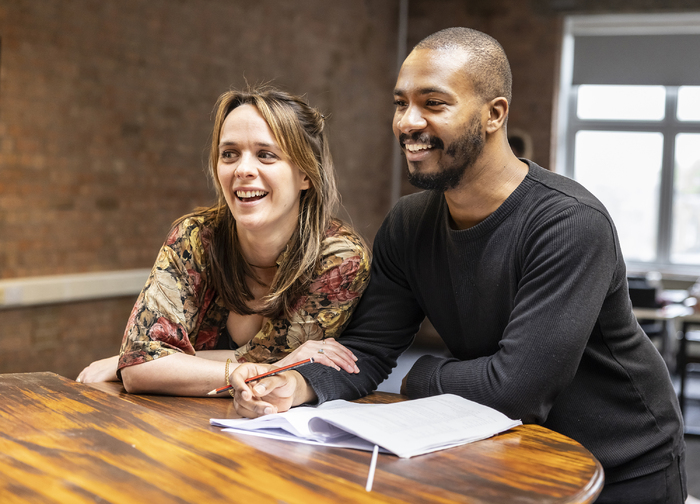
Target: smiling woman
column 264, row 275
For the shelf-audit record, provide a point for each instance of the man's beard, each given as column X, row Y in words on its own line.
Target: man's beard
column 464, row 151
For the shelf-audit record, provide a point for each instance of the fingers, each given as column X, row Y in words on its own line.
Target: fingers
column 337, row 361
column 327, row 352
column 99, row 371
column 335, row 355
column 330, row 342
column 244, row 372
column 262, row 397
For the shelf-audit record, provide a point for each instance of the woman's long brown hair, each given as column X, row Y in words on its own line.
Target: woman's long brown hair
column 299, row 131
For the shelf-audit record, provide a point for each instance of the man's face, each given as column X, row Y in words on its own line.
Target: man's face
column 438, row 118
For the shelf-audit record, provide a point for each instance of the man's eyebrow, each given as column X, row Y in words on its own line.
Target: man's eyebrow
column 422, row 91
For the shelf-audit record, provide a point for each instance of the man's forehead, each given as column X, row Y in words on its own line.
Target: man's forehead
column 426, row 71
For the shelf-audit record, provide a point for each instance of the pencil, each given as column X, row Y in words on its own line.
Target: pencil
column 372, row 467
column 265, row 375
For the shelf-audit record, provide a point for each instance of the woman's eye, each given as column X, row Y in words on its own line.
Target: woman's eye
column 267, row 155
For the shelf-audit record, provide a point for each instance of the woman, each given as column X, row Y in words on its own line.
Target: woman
column 265, row 275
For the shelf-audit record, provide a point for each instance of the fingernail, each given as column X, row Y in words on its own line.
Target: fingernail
column 268, row 411
column 260, row 389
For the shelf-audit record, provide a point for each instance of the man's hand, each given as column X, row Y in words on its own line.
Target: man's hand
column 270, row 395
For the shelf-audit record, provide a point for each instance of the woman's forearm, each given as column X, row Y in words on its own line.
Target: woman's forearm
column 217, row 355
column 177, row 374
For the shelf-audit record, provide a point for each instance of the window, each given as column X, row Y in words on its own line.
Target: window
column 629, row 130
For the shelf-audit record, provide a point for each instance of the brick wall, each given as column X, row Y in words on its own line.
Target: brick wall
column 62, row 338
column 105, row 115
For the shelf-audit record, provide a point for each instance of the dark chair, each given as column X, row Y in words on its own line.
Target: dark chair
column 688, row 354
column 644, row 295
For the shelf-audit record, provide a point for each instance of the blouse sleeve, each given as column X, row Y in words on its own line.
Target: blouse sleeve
column 167, row 316
column 339, row 281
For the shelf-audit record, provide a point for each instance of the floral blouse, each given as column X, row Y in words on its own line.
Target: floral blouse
column 178, row 310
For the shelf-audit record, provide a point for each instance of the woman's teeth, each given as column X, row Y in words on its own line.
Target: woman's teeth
column 250, row 194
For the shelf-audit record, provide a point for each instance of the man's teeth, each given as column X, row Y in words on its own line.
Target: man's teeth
column 417, row 147
column 250, row 194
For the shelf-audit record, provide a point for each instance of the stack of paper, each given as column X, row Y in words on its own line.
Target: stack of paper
column 406, row 428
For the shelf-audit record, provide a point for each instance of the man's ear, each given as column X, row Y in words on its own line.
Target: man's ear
column 498, row 112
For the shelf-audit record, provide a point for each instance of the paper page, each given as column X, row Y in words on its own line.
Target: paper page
column 350, row 441
column 295, row 421
column 406, row 428
column 411, row 428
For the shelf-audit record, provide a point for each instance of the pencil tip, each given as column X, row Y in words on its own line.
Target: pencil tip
column 212, row 392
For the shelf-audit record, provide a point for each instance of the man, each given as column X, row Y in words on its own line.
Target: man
column 521, row 273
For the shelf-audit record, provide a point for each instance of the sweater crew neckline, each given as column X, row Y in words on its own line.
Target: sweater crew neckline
column 492, row 221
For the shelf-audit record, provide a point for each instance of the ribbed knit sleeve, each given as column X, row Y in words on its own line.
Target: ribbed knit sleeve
column 564, row 265
column 533, row 305
column 384, row 324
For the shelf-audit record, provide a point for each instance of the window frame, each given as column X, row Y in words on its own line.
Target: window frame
column 567, row 123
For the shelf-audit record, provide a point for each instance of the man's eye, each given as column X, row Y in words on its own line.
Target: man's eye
column 432, row 103
column 399, row 103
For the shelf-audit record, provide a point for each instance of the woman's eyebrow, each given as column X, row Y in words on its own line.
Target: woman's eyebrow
column 228, row 143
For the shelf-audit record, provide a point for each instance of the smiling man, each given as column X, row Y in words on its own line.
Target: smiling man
column 519, row 270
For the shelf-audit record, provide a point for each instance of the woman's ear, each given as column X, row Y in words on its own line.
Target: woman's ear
column 305, row 181
column 498, row 112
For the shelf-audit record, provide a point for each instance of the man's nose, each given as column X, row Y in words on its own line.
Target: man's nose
column 411, row 119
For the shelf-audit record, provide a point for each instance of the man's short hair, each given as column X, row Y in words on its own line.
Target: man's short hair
column 488, row 65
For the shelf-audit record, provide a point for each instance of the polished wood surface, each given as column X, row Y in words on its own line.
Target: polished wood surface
column 63, row 441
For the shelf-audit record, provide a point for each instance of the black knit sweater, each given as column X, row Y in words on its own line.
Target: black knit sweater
column 534, row 306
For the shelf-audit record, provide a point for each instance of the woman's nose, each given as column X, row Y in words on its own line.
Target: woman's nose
column 247, row 167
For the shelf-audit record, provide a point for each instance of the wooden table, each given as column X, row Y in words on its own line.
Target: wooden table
column 62, row 441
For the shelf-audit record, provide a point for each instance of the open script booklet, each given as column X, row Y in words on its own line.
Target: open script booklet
column 405, row 428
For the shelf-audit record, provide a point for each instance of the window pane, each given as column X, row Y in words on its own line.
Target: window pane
column 625, row 103
column 623, row 170
column 688, row 103
column 685, row 245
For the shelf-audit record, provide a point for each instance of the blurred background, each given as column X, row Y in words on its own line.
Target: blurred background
column 106, row 111
column 105, row 117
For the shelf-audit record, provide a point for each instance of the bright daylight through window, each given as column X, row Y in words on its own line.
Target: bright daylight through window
column 630, row 133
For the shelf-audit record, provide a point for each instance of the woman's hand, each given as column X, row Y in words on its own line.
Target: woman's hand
column 327, row 352
column 99, row 371
column 273, row 394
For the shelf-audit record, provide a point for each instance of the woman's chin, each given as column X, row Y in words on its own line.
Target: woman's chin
column 259, row 226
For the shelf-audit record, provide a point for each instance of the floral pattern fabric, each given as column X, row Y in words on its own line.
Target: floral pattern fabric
column 178, row 310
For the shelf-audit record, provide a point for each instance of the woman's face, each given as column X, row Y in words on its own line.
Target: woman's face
column 261, row 186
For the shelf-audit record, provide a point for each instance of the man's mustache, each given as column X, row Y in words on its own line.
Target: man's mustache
column 423, row 138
